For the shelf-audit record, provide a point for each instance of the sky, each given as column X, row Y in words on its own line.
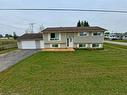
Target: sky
column 18, row 21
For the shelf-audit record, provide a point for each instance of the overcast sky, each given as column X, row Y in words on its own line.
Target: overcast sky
column 18, row 21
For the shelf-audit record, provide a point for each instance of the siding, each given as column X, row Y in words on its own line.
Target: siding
column 19, row 44
column 88, row 39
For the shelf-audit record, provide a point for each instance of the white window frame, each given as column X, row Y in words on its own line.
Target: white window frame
column 51, row 45
column 83, row 33
column 96, row 35
column 55, row 39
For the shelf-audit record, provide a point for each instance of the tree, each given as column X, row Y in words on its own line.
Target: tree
column 1, row 36
column 83, row 24
column 8, row 36
column 79, row 24
column 86, row 24
column 14, row 35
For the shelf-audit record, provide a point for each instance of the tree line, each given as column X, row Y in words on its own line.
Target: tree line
column 8, row 36
column 82, row 24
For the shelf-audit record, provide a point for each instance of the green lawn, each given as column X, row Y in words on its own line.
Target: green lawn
column 83, row 72
column 120, row 41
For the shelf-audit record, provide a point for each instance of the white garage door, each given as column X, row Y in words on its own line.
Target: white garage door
column 28, row 45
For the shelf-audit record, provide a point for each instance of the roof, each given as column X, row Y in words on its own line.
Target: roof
column 74, row 29
column 30, row 36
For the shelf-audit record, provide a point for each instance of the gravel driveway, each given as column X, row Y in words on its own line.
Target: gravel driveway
column 11, row 58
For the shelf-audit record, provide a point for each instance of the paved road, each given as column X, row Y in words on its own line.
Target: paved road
column 11, row 58
column 118, row 43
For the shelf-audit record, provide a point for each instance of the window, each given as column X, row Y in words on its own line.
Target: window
column 55, row 45
column 97, row 34
column 95, row 45
column 81, row 45
column 83, row 33
column 54, row 36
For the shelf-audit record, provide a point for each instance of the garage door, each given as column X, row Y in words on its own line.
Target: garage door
column 28, row 45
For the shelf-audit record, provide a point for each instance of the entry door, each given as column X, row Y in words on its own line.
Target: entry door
column 70, row 42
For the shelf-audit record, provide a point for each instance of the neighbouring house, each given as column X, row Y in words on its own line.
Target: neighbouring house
column 63, row 38
column 125, row 36
column 116, row 36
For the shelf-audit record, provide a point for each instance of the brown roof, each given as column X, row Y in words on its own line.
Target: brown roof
column 74, row 29
column 30, row 36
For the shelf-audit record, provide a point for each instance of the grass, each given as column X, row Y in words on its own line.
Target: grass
column 7, row 45
column 120, row 41
column 7, row 41
column 7, row 50
column 83, row 72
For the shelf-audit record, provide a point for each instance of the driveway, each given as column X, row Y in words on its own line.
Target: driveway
column 11, row 58
column 117, row 43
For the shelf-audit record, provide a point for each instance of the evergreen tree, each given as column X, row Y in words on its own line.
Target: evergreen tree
column 86, row 24
column 14, row 35
column 79, row 24
column 82, row 24
column 1, row 36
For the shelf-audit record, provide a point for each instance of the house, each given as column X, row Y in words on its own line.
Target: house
column 125, row 36
column 63, row 38
column 115, row 36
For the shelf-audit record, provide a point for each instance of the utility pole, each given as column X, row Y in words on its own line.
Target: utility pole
column 41, row 28
column 31, row 27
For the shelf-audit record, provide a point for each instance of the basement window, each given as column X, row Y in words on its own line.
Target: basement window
column 82, row 45
column 95, row 45
column 55, row 45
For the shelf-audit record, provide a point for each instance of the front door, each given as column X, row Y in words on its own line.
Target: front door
column 70, row 42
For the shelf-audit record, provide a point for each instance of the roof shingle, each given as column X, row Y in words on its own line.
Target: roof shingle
column 74, row 29
column 30, row 36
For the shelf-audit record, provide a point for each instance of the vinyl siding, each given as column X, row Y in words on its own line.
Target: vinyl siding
column 88, row 39
column 19, row 45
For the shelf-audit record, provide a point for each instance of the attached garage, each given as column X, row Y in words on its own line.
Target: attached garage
column 28, row 44
column 31, row 41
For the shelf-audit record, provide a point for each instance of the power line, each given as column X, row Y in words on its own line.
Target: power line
column 73, row 10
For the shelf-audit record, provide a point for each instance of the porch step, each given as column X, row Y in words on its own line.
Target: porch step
column 58, row 49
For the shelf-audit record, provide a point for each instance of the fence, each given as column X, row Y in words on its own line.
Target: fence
column 8, row 46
